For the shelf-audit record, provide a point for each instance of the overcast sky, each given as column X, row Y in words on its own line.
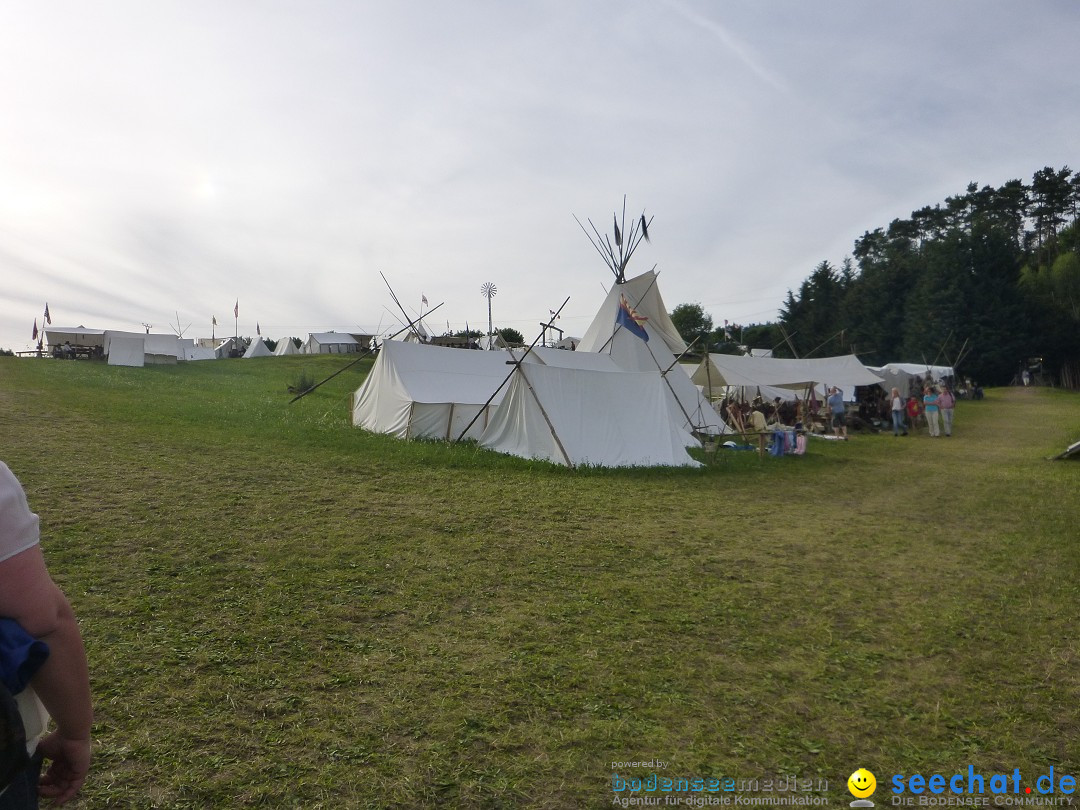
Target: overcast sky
column 162, row 160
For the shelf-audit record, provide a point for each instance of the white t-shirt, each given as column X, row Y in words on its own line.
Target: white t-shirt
column 18, row 525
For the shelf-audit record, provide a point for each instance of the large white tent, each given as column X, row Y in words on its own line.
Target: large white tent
column 717, row 372
column 657, row 355
column 157, row 349
column 901, row 375
column 583, row 416
column 415, row 390
column 286, row 346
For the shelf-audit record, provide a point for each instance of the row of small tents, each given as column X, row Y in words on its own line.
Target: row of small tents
column 138, row 349
column 620, row 399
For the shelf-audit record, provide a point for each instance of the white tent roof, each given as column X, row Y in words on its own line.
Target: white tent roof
column 656, row 355
column 75, row 335
column 844, row 371
column 579, row 416
column 325, row 338
column 258, row 348
column 286, row 346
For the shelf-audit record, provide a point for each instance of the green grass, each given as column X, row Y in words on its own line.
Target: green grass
column 283, row 611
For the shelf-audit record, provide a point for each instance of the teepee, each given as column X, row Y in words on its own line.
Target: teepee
column 633, row 326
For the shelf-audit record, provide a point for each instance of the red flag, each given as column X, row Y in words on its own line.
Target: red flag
column 48, row 317
column 236, row 309
column 34, row 336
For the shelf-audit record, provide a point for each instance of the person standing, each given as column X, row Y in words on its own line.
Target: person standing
column 930, row 407
column 29, row 597
column 947, row 402
column 837, row 408
column 897, row 404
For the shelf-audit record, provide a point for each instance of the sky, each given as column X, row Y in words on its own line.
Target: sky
column 162, row 162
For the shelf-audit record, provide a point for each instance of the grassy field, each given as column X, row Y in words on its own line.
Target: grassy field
column 283, row 611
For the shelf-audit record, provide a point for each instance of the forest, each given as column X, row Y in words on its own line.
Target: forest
column 988, row 280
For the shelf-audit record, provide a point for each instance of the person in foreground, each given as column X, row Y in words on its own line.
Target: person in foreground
column 62, row 683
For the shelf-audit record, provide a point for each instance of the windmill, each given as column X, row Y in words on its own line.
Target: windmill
column 179, row 332
column 488, row 290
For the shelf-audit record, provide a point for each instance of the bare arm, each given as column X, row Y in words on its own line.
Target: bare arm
column 28, row 595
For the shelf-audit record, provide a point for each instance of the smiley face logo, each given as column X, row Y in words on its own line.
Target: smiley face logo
column 861, row 783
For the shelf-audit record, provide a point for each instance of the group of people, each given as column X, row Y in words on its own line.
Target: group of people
column 936, row 408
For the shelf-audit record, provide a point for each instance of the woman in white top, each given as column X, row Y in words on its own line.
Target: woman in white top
column 898, row 414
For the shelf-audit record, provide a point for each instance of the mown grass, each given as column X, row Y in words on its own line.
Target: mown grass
column 283, row 611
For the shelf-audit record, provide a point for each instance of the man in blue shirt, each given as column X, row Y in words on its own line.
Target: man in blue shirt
column 837, row 407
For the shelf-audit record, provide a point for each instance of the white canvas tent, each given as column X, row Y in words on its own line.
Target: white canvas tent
column 330, row 343
column 157, row 349
column 75, row 335
column 286, row 346
column 416, row 390
column 194, row 351
column 900, row 375
column 657, row 355
column 581, row 416
column 717, row 372
column 257, row 348
column 227, row 347
column 127, row 350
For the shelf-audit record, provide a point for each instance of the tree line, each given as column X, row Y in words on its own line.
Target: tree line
column 990, row 276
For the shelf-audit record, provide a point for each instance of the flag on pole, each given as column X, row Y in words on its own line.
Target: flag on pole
column 48, row 317
column 423, row 299
column 34, row 335
column 258, row 331
column 626, row 316
column 213, row 319
column 236, row 309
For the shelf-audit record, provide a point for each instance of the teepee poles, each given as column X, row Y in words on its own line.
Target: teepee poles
column 617, row 257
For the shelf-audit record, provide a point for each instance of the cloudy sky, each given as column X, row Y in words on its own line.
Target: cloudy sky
column 161, row 160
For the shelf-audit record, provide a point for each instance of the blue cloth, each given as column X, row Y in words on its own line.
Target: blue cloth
column 626, row 316
column 21, row 655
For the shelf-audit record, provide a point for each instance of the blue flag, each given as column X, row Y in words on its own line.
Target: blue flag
column 627, row 317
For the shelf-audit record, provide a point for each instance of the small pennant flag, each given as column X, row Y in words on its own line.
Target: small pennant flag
column 213, row 319
column 34, row 335
column 48, row 317
column 258, row 331
column 626, row 316
column 236, row 309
